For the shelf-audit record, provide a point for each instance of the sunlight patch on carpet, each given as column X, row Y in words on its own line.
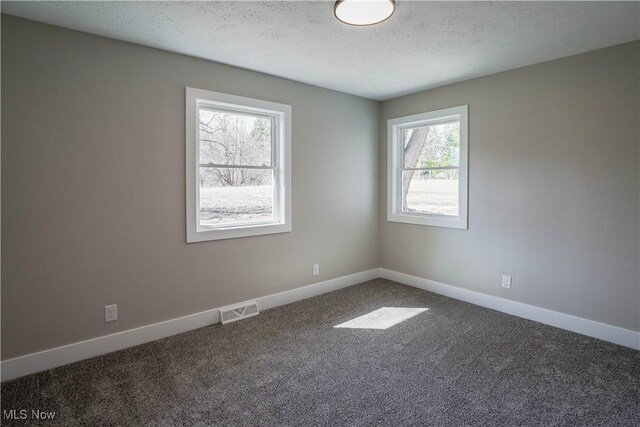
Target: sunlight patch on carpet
column 382, row 318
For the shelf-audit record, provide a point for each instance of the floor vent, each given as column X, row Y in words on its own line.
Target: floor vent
column 238, row 312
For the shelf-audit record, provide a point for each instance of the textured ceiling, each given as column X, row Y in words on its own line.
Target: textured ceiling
column 423, row 45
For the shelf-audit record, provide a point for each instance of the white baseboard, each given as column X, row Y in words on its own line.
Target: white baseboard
column 52, row 358
column 614, row 334
column 59, row 356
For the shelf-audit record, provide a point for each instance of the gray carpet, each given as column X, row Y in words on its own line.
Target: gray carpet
column 455, row 364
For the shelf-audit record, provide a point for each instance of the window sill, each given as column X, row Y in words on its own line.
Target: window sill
column 430, row 220
column 236, row 232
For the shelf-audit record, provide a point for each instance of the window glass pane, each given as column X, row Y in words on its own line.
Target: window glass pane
column 231, row 138
column 433, row 192
column 231, row 196
column 432, row 146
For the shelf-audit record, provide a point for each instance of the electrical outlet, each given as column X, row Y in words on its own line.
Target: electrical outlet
column 316, row 269
column 110, row 313
column 506, row 282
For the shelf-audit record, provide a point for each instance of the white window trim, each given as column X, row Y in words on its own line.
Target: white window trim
column 282, row 152
column 394, row 169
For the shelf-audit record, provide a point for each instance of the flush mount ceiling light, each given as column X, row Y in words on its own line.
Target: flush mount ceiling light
column 363, row 12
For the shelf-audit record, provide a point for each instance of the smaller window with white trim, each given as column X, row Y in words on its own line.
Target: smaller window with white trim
column 427, row 168
column 238, row 168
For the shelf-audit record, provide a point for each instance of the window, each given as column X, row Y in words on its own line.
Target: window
column 427, row 168
column 238, row 168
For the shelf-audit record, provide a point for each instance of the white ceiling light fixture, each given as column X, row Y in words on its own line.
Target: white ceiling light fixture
column 363, row 12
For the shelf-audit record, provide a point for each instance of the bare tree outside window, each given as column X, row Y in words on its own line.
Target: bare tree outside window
column 236, row 171
column 430, row 170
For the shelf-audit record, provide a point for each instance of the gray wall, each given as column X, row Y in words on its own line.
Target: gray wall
column 93, row 199
column 93, row 188
column 553, row 188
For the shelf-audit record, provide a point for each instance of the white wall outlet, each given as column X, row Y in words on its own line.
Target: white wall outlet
column 506, row 282
column 110, row 313
column 316, row 269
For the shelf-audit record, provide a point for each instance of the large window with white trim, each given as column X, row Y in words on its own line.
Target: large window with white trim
column 427, row 168
column 237, row 166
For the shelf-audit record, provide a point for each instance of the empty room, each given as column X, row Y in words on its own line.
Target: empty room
column 320, row 213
